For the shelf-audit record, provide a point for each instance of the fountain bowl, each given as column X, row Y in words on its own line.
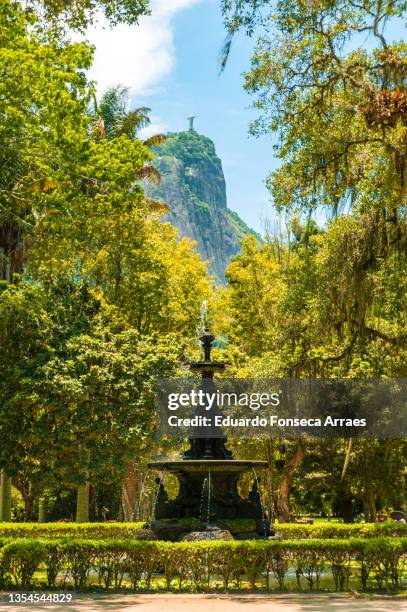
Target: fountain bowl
column 206, row 465
column 224, row 475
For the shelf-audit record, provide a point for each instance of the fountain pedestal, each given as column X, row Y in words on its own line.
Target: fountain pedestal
column 208, row 461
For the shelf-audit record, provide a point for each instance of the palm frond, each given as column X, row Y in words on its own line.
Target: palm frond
column 129, row 123
column 97, row 129
column 111, row 117
column 112, row 105
column 157, row 205
column 150, row 174
column 225, row 51
column 155, row 140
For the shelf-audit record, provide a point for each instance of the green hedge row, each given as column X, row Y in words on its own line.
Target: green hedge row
column 71, row 530
column 378, row 562
column 295, row 531
column 290, row 531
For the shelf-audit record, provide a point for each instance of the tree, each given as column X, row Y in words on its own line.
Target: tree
column 151, row 285
column 111, row 117
column 339, row 113
column 78, row 378
column 25, row 330
column 291, row 313
column 42, row 128
column 38, row 127
column 79, row 14
column 74, row 221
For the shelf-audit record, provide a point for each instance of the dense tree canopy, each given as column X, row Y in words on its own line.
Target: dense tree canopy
column 329, row 82
column 100, row 297
column 287, row 312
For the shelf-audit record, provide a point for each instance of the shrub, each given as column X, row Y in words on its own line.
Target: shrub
column 340, row 555
column 80, row 555
column 71, row 530
column 123, row 531
column 21, row 559
column 295, row 531
column 277, row 562
column 383, row 556
column 195, row 564
column 310, row 558
column 54, row 559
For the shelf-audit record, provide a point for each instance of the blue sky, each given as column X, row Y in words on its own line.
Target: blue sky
column 170, row 63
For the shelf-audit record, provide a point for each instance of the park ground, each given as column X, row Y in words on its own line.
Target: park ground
column 225, row 603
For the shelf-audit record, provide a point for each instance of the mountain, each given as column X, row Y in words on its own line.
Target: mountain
column 193, row 186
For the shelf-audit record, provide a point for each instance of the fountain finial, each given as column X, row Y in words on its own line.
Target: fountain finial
column 204, row 315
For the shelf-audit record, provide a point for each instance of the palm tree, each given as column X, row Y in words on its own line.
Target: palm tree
column 111, row 118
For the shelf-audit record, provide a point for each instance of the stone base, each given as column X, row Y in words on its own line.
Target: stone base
column 212, row 533
column 191, row 530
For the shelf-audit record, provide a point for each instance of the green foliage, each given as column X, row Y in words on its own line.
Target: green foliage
column 21, row 559
column 294, row 531
column 289, row 531
column 85, row 386
column 338, row 108
column 110, row 294
column 241, row 229
column 42, row 129
column 70, row 530
column 196, row 564
column 111, row 118
column 80, row 13
column 340, row 115
column 309, row 309
column 190, row 147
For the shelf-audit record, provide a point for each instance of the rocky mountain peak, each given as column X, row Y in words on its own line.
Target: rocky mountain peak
column 193, row 186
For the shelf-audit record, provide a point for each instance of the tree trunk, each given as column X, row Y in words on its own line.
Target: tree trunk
column 24, row 487
column 42, row 510
column 369, row 506
column 83, row 492
column 28, row 504
column 347, row 458
column 82, row 503
column 283, row 500
column 5, row 497
column 130, row 492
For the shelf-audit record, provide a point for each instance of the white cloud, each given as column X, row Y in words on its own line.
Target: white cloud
column 156, row 127
column 140, row 56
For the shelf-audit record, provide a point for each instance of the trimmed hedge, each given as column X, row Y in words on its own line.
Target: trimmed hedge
column 290, row 531
column 378, row 562
column 295, row 531
column 71, row 530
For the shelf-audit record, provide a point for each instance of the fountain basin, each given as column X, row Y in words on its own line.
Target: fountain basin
column 225, row 501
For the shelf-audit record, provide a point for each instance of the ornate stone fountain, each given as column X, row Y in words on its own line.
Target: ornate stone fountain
column 208, row 463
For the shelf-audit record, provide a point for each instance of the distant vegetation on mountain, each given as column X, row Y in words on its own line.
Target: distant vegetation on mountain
column 193, row 185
